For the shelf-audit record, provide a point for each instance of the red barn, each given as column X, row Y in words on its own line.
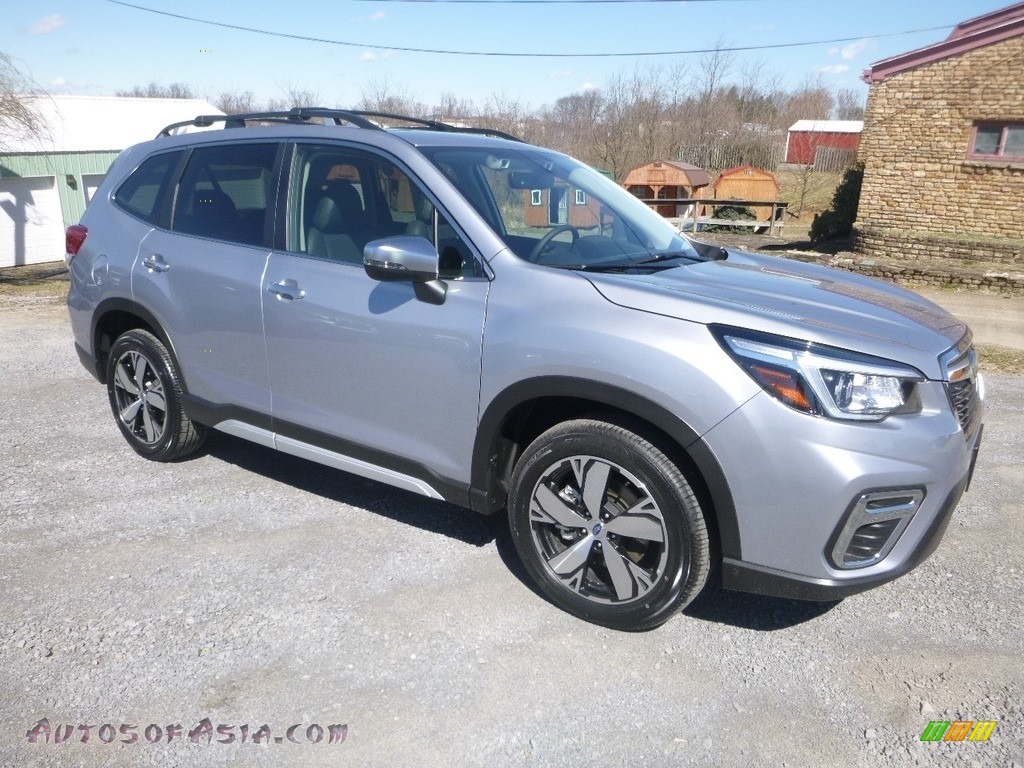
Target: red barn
column 806, row 137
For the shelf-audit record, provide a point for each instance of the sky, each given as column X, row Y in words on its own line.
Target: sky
column 97, row 47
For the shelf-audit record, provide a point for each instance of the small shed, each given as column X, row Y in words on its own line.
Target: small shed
column 807, row 138
column 560, row 204
column 667, row 180
column 745, row 182
column 46, row 180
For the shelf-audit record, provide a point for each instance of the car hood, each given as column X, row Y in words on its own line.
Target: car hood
column 794, row 299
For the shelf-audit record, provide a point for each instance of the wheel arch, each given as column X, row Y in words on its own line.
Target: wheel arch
column 115, row 316
column 527, row 408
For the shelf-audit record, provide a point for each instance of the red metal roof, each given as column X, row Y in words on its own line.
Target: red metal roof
column 980, row 31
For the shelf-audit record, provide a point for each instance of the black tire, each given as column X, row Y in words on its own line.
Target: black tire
column 582, row 467
column 153, row 422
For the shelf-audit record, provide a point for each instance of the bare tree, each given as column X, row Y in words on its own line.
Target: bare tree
column 708, row 110
column 236, row 102
column 18, row 117
column 572, row 123
column 157, row 91
column 812, row 100
column 453, row 109
column 849, row 105
column 302, row 97
column 512, row 116
column 382, row 95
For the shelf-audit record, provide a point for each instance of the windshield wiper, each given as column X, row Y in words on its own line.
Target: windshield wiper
column 670, row 255
column 615, row 266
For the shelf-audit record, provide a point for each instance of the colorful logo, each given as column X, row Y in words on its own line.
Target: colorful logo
column 958, row 730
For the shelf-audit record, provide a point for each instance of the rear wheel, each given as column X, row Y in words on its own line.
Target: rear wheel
column 144, row 389
column 607, row 525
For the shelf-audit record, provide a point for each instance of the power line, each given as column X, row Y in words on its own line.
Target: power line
column 520, row 55
column 553, row 2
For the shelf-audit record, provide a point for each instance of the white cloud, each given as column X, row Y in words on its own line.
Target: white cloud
column 378, row 16
column 833, row 51
column 853, row 50
column 367, row 56
column 58, row 82
column 588, row 85
column 389, row 54
column 558, row 74
column 48, row 24
column 833, row 69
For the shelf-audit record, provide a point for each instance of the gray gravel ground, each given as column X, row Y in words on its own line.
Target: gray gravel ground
column 249, row 587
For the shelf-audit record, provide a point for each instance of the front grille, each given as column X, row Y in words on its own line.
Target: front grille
column 963, row 396
column 961, row 368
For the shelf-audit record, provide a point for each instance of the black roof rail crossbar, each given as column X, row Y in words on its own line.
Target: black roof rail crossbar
column 302, row 114
column 437, row 125
column 355, row 117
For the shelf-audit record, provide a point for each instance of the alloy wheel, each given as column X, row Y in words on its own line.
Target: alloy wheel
column 598, row 529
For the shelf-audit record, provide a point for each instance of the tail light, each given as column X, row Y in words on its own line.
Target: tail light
column 74, row 236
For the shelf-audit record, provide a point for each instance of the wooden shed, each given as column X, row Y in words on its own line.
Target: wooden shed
column 667, row 180
column 745, row 182
column 560, row 205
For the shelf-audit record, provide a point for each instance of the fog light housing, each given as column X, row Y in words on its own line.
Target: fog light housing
column 873, row 525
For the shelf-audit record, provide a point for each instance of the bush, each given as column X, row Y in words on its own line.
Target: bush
column 730, row 213
column 838, row 220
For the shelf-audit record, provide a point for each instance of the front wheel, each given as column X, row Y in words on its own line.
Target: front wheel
column 607, row 525
column 145, row 396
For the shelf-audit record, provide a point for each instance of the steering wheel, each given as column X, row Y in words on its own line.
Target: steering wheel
column 545, row 241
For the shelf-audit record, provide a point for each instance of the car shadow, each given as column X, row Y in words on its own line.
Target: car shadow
column 758, row 612
column 714, row 604
column 402, row 506
column 736, row 609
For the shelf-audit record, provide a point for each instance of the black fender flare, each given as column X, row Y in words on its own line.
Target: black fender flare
column 620, row 399
column 118, row 304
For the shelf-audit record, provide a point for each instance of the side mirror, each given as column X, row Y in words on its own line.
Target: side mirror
column 406, row 258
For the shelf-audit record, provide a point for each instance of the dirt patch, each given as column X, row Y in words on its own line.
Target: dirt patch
column 49, row 280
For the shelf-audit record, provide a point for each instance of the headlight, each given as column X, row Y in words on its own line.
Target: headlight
column 821, row 380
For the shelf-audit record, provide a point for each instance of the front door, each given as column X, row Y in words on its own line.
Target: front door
column 359, row 367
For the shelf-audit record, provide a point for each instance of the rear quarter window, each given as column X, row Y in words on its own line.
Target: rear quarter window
column 144, row 193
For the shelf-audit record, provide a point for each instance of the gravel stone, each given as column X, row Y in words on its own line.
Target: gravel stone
column 249, row 587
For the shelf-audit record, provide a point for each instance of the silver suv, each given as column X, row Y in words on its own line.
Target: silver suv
column 497, row 325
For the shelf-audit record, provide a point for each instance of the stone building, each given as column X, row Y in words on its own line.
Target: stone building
column 943, row 147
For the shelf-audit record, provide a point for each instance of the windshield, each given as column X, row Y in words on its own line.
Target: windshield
column 550, row 209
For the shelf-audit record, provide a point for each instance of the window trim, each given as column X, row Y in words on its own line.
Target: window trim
column 267, row 230
column 289, row 197
column 999, row 155
column 164, row 204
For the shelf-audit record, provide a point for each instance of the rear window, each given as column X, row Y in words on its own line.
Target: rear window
column 144, row 193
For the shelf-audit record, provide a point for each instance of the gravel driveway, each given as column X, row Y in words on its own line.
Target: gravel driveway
column 251, row 588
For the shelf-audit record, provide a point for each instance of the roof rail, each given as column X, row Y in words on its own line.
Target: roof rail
column 339, row 116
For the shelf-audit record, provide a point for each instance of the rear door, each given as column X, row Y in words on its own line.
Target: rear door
column 364, row 368
column 202, row 279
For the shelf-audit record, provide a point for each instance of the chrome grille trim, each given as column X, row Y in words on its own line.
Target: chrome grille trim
column 960, row 368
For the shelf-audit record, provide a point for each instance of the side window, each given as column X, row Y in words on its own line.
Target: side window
column 144, row 193
column 344, row 198
column 224, row 192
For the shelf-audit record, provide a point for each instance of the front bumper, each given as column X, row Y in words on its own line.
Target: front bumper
column 761, row 580
column 795, row 479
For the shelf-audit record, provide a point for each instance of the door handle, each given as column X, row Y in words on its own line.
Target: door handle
column 287, row 290
column 156, row 263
